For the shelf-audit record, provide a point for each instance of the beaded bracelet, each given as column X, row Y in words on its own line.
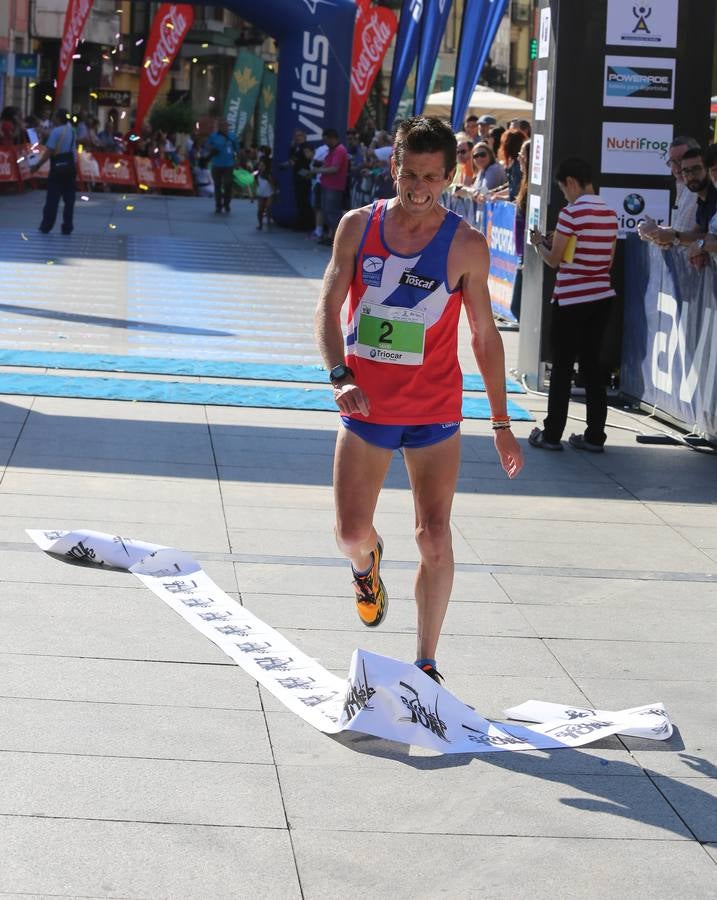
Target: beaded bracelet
column 499, row 426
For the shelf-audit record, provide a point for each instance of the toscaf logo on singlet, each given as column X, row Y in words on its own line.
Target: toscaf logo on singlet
column 372, row 270
column 413, row 279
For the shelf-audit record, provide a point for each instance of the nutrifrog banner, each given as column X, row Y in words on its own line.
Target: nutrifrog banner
column 169, row 28
column 381, row 696
column 75, row 18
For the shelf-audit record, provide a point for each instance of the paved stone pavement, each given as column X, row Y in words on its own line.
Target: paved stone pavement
column 137, row 762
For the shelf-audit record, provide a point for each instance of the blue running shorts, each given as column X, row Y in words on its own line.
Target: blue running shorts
column 391, row 437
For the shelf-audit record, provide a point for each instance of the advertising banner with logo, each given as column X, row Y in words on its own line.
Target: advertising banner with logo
column 106, row 168
column 374, row 31
column 316, row 40
column 639, row 81
column 169, row 28
column 243, row 91
column 670, row 332
column 266, row 113
column 404, row 54
column 647, row 25
column 481, row 20
column 8, row 164
column 433, row 26
column 500, row 234
column 75, row 18
column 634, row 205
column 635, row 149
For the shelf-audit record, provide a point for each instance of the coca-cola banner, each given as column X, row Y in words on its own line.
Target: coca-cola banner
column 106, row 168
column 374, row 31
column 75, row 18
column 8, row 166
column 169, row 27
column 154, row 173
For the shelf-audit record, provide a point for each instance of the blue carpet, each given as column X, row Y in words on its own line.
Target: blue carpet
column 204, row 394
column 157, row 365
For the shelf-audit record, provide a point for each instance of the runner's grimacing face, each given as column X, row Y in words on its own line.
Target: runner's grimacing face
column 420, row 179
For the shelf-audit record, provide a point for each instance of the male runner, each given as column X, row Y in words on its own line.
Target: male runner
column 406, row 265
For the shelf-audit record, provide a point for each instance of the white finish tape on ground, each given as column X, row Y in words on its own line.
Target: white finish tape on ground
column 382, row 696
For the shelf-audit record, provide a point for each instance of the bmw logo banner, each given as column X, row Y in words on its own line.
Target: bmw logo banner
column 383, row 697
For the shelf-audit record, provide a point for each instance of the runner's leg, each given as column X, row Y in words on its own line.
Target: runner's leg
column 359, row 471
column 433, row 472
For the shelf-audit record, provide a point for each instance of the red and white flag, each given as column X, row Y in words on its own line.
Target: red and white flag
column 170, row 25
column 373, row 33
column 75, row 18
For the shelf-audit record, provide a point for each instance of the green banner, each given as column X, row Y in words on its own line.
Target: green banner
column 267, row 109
column 243, row 91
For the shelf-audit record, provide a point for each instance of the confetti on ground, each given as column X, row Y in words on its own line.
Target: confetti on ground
column 112, row 226
column 129, row 207
column 23, row 236
column 50, row 262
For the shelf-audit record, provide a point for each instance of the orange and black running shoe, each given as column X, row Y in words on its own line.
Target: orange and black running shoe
column 371, row 595
column 433, row 673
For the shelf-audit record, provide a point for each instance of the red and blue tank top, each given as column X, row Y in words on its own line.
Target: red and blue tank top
column 402, row 331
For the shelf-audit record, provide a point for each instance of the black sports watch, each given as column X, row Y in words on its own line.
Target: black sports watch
column 338, row 373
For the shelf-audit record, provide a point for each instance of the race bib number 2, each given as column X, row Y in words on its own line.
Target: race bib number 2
column 391, row 334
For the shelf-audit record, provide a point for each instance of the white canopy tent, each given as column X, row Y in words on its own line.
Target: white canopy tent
column 484, row 100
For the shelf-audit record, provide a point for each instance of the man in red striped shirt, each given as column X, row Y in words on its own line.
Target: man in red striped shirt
column 582, row 249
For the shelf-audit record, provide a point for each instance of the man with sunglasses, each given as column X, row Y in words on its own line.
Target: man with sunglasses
column 683, row 217
column 697, row 181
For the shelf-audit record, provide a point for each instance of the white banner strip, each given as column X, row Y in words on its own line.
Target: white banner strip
column 382, row 697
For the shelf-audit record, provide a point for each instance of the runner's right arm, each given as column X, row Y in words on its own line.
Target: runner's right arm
column 327, row 320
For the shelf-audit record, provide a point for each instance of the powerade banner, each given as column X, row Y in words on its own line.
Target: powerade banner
column 500, row 234
column 481, row 20
column 404, row 54
column 669, row 334
column 169, row 28
column 432, row 27
column 243, row 91
column 267, row 109
column 315, row 39
column 75, row 18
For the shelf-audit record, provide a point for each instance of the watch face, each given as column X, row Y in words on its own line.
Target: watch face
column 338, row 372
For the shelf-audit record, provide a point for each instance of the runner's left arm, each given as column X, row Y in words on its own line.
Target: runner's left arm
column 327, row 319
column 486, row 342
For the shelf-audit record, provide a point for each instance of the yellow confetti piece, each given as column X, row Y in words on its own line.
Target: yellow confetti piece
column 84, row 197
column 170, row 26
column 204, row 46
column 48, row 98
column 147, row 63
column 94, row 96
column 50, row 262
column 143, row 187
column 117, row 165
column 129, row 207
column 32, row 84
column 165, row 59
column 112, row 226
column 194, row 59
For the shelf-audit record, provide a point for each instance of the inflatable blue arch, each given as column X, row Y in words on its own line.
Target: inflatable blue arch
column 315, row 40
